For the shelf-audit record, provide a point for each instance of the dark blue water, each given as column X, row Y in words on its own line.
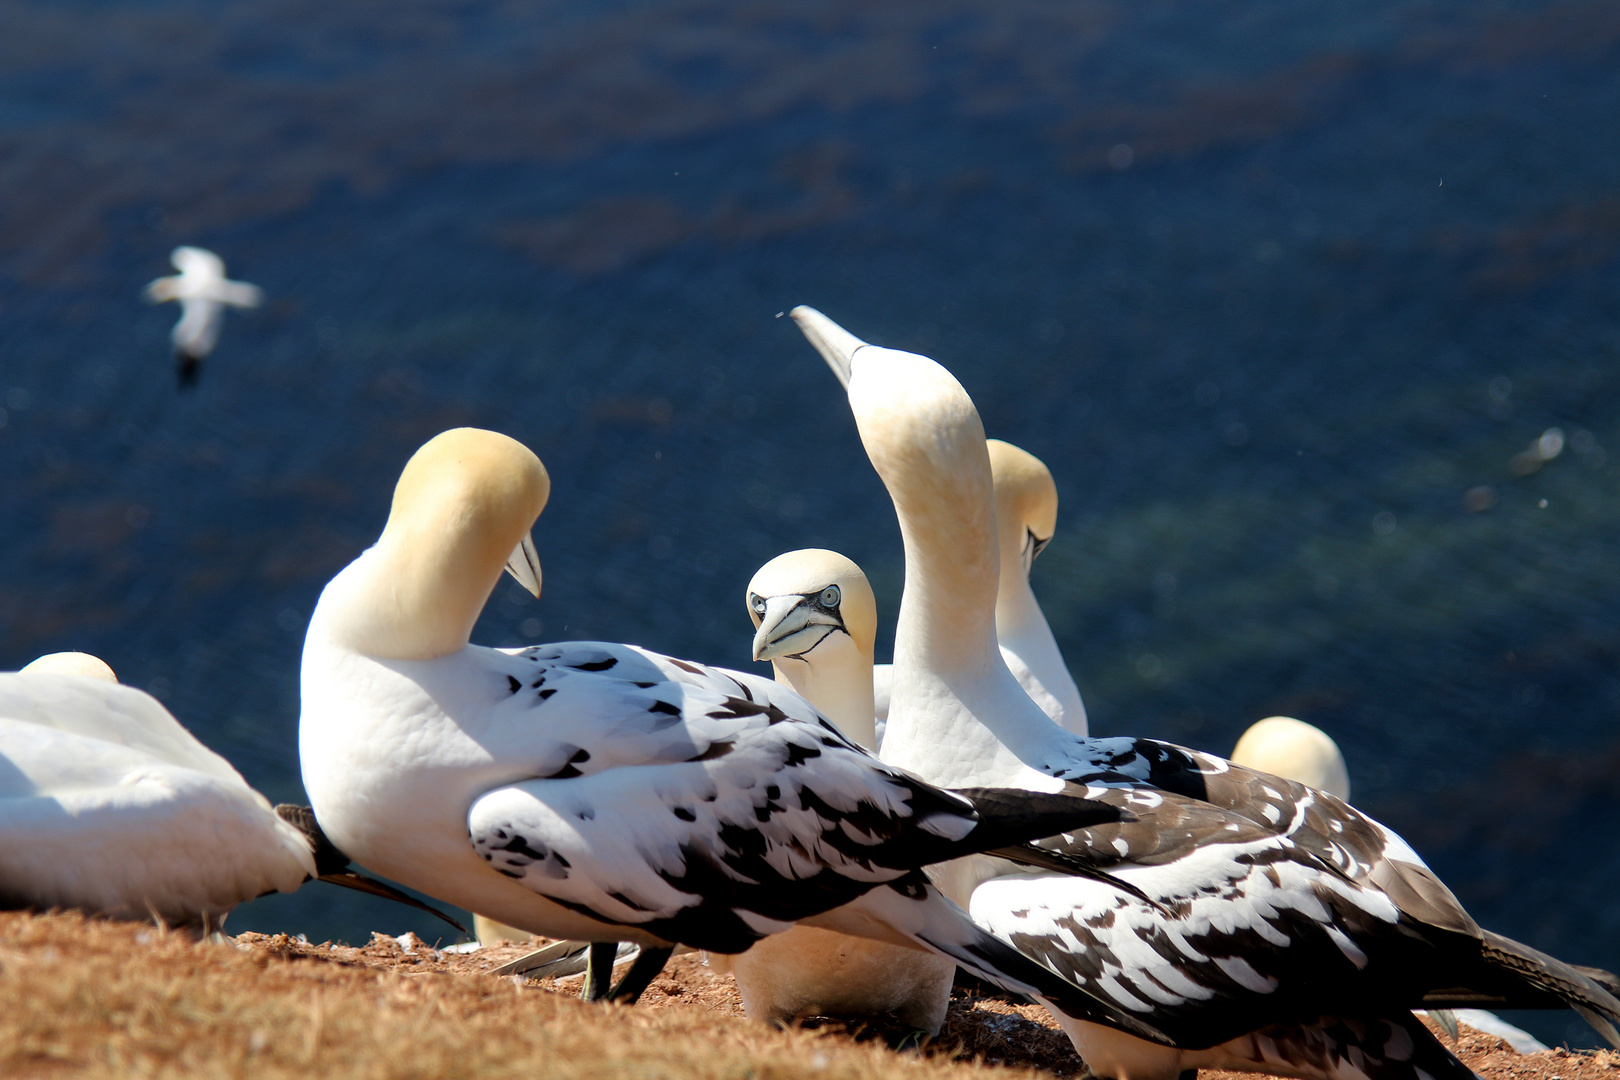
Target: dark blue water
column 1271, row 287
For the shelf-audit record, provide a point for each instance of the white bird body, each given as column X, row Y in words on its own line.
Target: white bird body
column 109, row 805
column 600, row 791
column 816, row 622
column 1253, row 923
column 203, row 291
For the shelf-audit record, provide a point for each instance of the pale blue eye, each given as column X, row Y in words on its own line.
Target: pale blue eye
column 830, row 596
column 757, row 602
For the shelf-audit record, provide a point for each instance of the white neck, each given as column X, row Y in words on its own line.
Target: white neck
column 395, row 608
column 956, row 714
column 838, row 684
column 1022, row 630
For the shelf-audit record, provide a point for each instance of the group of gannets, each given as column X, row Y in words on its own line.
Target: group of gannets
column 1176, row 910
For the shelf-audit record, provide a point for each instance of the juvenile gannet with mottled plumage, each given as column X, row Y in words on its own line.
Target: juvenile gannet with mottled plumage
column 815, row 620
column 1026, row 503
column 108, row 805
column 203, row 291
column 1250, row 923
column 1305, row 753
column 604, row 792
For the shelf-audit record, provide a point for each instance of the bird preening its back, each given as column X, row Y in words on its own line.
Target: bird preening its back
column 204, row 292
column 110, row 806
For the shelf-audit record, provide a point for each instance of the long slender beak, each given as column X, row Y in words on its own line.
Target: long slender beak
column 361, row 883
column 524, row 565
column 835, row 344
column 790, row 627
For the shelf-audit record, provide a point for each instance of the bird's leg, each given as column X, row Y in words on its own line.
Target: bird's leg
column 648, row 963
column 599, row 970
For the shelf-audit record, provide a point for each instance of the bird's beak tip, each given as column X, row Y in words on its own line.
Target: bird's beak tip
column 836, row 345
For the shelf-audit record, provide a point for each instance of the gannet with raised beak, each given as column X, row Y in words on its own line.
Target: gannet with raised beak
column 604, row 792
column 203, row 291
column 1249, row 923
column 110, row 806
column 815, row 620
column 1026, row 503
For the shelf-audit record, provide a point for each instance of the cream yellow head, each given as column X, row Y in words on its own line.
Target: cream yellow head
column 800, row 599
column 462, row 511
column 72, row 663
column 1026, row 501
column 1297, row 751
column 815, row 620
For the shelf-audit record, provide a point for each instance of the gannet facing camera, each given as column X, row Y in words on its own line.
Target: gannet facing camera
column 603, row 792
column 203, row 291
column 1247, row 922
column 815, row 620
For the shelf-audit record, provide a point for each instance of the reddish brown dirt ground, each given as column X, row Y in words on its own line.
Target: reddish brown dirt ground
column 980, row 1027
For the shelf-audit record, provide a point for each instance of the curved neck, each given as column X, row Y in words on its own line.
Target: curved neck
column 956, row 714
column 398, row 608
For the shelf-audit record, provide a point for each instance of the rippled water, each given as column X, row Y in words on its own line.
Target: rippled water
column 1277, row 290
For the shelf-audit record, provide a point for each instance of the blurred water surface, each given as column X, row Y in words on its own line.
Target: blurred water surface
column 1283, row 294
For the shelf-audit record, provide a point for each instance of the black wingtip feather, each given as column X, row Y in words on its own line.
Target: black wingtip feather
column 1010, row 816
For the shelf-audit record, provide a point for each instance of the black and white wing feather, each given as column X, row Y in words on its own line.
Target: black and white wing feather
column 705, row 806
column 1254, row 901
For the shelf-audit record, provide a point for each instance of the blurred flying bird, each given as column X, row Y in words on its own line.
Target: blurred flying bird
column 203, row 291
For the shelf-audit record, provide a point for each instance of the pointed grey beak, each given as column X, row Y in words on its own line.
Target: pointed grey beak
column 835, row 344
column 790, row 627
column 524, row 565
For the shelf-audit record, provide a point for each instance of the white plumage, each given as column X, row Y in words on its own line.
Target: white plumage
column 203, row 291
column 1249, row 922
column 108, row 805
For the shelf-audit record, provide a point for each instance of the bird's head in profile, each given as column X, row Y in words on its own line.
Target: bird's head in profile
column 801, row 599
column 1026, row 500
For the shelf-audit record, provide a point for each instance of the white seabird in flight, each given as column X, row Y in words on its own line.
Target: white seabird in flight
column 815, row 620
column 203, row 291
column 1250, row 923
column 1026, row 502
column 109, row 806
column 603, row 792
